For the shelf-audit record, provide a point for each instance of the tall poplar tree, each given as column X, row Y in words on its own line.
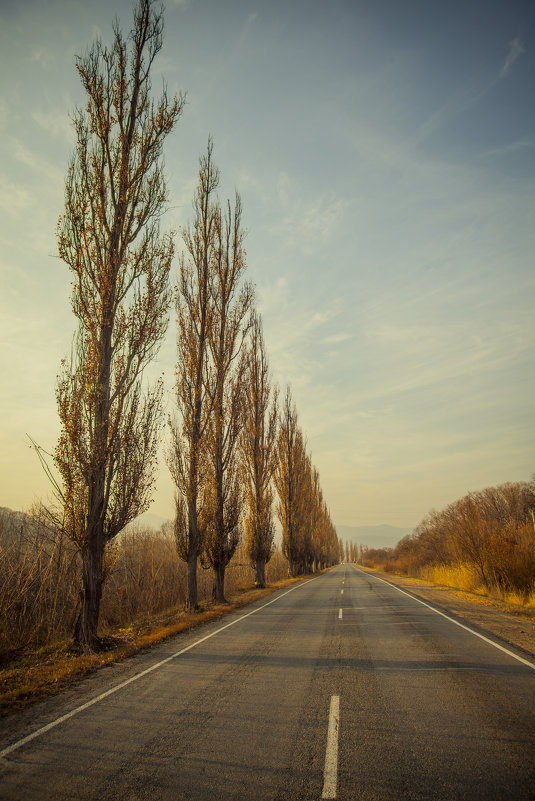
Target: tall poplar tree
column 233, row 299
column 188, row 460
column 287, row 481
column 258, row 443
column 109, row 236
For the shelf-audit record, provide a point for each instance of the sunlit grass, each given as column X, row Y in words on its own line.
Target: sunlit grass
column 460, row 576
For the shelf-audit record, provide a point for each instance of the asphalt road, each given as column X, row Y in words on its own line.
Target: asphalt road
column 341, row 687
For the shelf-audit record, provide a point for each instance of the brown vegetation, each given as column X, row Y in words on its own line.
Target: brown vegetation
column 40, row 571
column 483, row 542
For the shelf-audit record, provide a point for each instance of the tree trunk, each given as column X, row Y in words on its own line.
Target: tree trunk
column 192, row 601
column 219, row 584
column 85, row 630
column 260, row 578
column 291, row 564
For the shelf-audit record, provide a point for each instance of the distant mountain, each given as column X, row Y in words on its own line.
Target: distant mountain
column 373, row 536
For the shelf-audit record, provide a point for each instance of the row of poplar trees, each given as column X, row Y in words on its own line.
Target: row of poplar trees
column 230, row 441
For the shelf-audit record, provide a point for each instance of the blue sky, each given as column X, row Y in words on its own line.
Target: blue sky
column 385, row 154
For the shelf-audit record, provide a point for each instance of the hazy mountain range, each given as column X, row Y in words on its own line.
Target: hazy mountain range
column 373, row 536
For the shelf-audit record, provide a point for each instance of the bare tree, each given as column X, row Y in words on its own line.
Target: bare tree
column 258, row 443
column 287, row 478
column 194, row 303
column 232, row 302
column 316, row 520
column 109, row 236
column 309, row 538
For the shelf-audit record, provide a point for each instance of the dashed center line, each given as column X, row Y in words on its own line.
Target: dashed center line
column 330, row 773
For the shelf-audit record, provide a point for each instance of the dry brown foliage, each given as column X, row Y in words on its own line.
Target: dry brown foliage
column 484, row 542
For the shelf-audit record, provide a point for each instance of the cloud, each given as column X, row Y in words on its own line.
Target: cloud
column 334, row 339
column 516, row 48
column 307, row 223
column 4, row 115
column 36, row 163
column 42, row 57
column 469, row 95
column 56, row 123
column 512, row 147
column 12, row 196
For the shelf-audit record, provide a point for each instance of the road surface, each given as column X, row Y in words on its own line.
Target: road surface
column 340, row 687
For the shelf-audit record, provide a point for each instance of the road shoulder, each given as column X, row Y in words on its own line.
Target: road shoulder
column 509, row 625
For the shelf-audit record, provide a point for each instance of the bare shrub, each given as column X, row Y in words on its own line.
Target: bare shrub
column 145, row 576
column 484, row 542
column 39, row 578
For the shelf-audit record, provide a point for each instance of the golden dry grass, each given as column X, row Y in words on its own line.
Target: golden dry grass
column 463, row 580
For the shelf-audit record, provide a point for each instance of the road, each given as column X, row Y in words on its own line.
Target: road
column 342, row 686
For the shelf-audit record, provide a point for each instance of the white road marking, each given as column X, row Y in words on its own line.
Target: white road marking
column 340, row 614
column 341, row 592
column 457, row 623
column 137, row 676
column 330, row 773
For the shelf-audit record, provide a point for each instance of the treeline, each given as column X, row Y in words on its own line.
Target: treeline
column 232, row 446
column 230, row 440
column 485, row 540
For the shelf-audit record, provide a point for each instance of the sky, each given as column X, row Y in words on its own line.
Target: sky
column 384, row 151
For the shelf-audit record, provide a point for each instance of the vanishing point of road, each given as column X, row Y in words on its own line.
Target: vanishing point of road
column 342, row 686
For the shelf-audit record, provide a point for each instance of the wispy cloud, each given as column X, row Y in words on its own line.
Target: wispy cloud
column 55, row 122
column 35, row 162
column 470, row 94
column 516, row 48
column 12, row 196
column 512, row 147
column 42, row 57
column 334, row 339
column 307, row 223
column 4, row 115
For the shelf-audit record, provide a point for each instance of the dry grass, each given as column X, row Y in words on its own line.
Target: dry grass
column 464, row 581
column 460, row 576
column 29, row 675
column 465, row 577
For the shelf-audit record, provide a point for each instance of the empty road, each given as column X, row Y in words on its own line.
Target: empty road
column 339, row 687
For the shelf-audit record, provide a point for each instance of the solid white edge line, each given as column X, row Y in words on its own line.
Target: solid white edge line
column 452, row 620
column 112, row 690
column 330, row 773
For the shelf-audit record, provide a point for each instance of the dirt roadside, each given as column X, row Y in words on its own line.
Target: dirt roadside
column 510, row 624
